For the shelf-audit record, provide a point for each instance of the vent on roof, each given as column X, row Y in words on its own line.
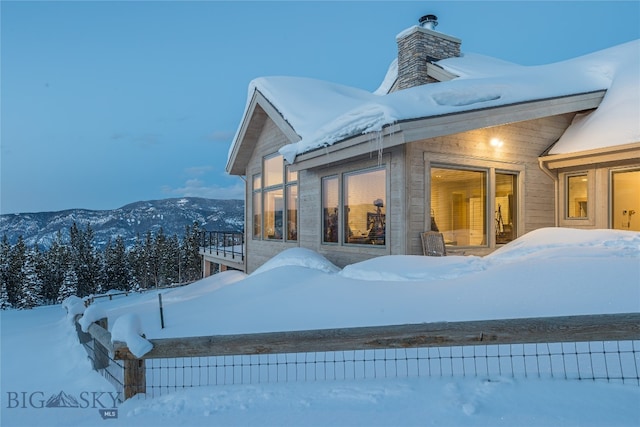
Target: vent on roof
column 429, row 22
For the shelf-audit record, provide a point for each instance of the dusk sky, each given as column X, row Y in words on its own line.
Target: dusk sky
column 108, row 103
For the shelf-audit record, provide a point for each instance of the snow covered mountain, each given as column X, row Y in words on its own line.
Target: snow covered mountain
column 172, row 215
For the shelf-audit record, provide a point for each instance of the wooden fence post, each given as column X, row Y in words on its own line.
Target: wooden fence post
column 83, row 337
column 135, row 378
column 100, row 353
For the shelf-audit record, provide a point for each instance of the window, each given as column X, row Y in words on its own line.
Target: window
column 257, row 206
column 577, row 196
column 364, row 207
column 330, row 205
column 505, row 208
column 460, row 203
column 625, row 199
column 292, row 205
column 273, row 214
column 275, row 201
column 363, row 216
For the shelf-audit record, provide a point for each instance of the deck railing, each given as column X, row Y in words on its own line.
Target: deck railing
column 226, row 244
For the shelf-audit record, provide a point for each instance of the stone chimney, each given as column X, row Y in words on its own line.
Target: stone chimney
column 418, row 47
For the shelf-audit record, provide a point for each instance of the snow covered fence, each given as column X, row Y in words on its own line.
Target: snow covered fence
column 594, row 347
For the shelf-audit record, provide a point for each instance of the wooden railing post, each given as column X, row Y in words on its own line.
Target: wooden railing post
column 83, row 337
column 100, row 352
column 135, row 378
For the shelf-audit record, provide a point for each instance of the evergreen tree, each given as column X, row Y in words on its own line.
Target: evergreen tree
column 69, row 284
column 30, row 294
column 5, row 251
column 53, row 269
column 147, row 264
column 17, row 259
column 170, row 260
column 166, row 259
column 85, row 260
column 191, row 259
column 117, row 271
column 136, row 263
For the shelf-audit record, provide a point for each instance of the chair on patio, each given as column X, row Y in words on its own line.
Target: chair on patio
column 433, row 243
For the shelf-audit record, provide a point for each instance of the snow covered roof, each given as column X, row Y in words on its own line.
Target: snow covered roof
column 324, row 113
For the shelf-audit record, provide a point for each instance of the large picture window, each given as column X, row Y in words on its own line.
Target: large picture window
column 362, row 219
column 460, row 205
column 275, row 201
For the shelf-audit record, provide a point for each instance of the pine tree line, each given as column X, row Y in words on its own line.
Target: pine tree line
column 30, row 277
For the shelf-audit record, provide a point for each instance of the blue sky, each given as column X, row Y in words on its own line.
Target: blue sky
column 107, row 103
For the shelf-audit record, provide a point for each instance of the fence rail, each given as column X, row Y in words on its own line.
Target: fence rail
column 594, row 347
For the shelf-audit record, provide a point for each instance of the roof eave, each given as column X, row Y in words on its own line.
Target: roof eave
column 407, row 131
column 256, row 113
column 615, row 153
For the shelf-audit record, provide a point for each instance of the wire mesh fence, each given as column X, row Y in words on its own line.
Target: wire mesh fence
column 593, row 347
column 612, row 361
column 102, row 361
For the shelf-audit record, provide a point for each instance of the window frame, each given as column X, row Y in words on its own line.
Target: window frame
column 611, row 195
column 261, row 191
column 567, row 199
column 563, row 195
column 340, row 180
column 492, row 167
column 489, row 195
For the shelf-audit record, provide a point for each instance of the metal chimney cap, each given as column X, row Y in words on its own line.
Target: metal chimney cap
column 429, row 21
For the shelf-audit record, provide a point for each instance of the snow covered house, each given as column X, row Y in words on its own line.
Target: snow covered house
column 480, row 149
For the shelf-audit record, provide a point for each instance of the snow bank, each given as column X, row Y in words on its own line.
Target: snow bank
column 128, row 329
column 93, row 313
column 298, row 257
column 394, row 268
column 567, row 242
column 203, row 287
column 73, row 305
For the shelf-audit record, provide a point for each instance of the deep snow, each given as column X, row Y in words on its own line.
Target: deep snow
column 544, row 273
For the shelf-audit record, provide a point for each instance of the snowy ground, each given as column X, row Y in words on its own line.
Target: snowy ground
column 546, row 273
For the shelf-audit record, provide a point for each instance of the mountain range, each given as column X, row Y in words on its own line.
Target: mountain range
column 172, row 215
